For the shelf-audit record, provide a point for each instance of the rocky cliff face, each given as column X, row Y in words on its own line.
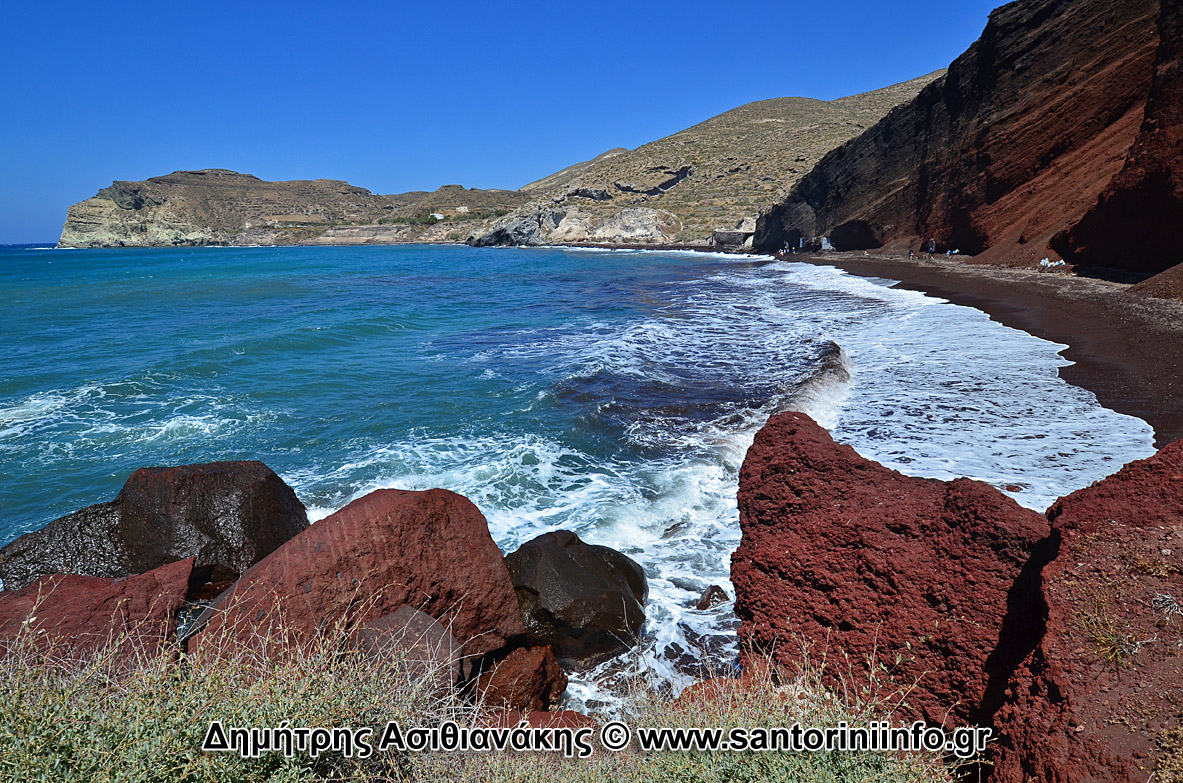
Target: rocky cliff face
column 1009, row 150
column 951, row 601
column 700, row 187
column 1135, row 223
column 220, row 207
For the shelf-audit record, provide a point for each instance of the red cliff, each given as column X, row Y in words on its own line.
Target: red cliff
column 1058, row 103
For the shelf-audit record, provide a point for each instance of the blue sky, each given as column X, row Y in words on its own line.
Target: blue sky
column 399, row 96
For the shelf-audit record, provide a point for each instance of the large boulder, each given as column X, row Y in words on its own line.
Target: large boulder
column 925, row 578
column 586, row 601
column 1101, row 697
column 85, row 542
column 76, row 615
column 428, row 550
column 227, row 515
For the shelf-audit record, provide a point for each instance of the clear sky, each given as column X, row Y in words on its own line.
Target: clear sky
column 397, row 96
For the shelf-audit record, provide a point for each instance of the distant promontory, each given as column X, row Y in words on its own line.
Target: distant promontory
column 222, row 207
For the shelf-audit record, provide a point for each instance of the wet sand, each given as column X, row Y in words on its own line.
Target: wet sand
column 1127, row 349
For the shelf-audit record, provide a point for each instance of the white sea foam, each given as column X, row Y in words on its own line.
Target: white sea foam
column 110, row 418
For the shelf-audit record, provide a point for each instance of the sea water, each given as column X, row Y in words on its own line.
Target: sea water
column 613, row 393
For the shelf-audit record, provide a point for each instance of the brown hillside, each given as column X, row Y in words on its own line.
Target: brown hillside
column 712, row 176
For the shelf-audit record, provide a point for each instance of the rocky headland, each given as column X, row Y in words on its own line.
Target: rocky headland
column 221, row 207
column 701, row 187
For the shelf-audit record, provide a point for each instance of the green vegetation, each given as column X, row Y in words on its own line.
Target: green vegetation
column 429, row 219
column 418, row 219
column 488, row 214
column 128, row 715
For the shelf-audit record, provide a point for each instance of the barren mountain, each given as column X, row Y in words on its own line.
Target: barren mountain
column 700, row 186
column 696, row 188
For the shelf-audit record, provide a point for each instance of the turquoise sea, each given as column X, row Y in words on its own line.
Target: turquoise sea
column 609, row 392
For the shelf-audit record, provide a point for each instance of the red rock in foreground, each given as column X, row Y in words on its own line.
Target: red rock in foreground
column 81, row 614
column 415, row 643
column 1101, row 697
column 842, row 553
column 529, row 679
column 429, row 550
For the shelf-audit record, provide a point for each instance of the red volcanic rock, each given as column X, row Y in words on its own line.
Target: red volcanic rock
column 529, row 679
column 80, row 614
column 1135, row 223
column 1012, row 147
column 1101, row 697
column 415, row 643
column 429, row 550
column 227, row 515
column 710, row 598
column 918, row 574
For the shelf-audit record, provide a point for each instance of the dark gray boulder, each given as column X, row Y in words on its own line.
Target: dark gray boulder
column 85, row 542
column 227, row 515
column 586, row 601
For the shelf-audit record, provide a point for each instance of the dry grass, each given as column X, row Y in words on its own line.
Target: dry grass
column 130, row 713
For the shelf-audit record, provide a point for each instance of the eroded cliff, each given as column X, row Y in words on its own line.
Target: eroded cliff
column 1011, row 149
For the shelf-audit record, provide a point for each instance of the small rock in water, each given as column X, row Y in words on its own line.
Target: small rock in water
column 711, row 597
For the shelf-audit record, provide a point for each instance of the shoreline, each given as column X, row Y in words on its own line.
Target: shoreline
column 1126, row 349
